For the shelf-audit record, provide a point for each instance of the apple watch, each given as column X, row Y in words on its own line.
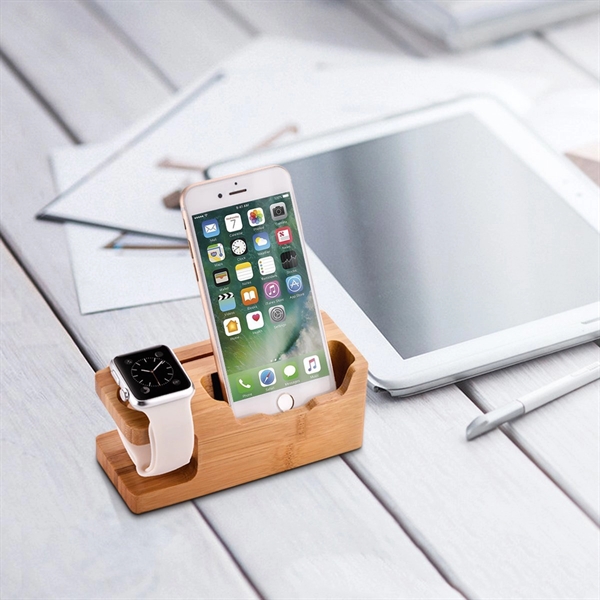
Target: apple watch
column 154, row 382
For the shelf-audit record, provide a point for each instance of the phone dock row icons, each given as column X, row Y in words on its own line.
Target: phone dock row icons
column 267, row 377
column 266, row 266
column 234, row 221
column 239, row 246
column 254, row 320
column 271, row 291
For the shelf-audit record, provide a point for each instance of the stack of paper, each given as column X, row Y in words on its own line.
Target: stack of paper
column 296, row 90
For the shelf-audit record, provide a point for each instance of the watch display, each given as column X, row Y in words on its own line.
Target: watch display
column 152, row 372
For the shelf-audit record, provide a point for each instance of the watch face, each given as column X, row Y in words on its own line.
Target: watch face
column 152, row 373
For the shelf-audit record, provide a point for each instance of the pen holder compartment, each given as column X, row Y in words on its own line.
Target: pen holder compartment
column 230, row 451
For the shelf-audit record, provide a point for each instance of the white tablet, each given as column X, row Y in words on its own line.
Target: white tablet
column 449, row 241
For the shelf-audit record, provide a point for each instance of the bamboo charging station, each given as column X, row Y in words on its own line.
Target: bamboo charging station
column 230, row 451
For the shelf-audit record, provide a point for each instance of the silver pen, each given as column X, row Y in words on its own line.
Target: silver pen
column 533, row 400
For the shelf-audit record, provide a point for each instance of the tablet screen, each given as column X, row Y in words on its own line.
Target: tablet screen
column 441, row 234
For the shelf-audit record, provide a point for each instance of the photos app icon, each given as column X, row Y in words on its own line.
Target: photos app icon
column 256, row 217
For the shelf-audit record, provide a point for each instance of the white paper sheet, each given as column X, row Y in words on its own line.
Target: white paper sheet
column 108, row 279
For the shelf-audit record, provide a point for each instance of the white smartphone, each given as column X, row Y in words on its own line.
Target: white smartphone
column 250, row 260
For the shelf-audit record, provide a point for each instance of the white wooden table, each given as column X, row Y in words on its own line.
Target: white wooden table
column 417, row 512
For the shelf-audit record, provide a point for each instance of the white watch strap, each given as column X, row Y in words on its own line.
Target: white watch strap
column 171, row 433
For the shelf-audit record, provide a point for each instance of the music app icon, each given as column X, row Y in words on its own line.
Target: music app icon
column 312, row 365
column 272, row 289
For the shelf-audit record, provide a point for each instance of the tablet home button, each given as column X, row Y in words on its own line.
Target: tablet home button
column 285, row 402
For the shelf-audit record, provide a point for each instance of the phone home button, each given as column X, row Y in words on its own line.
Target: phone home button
column 285, row 402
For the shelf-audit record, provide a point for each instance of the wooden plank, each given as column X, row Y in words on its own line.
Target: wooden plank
column 204, row 34
column 65, row 531
column 326, row 21
column 495, row 525
column 88, row 75
column 580, row 41
column 563, row 437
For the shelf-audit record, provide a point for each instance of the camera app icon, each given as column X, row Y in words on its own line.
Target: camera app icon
column 278, row 211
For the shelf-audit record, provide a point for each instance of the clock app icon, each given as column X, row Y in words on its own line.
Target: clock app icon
column 239, row 246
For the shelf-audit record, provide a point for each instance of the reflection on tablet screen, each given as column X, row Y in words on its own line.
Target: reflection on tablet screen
column 441, row 234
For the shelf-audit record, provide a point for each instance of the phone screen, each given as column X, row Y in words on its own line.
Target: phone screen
column 258, row 286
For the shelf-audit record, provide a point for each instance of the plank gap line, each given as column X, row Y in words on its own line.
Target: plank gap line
column 39, row 97
column 64, row 323
column 229, row 11
column 436, row 562
column 121, row 35
column 237, row 563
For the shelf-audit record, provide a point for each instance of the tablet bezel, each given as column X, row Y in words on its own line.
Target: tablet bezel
column 387, row 369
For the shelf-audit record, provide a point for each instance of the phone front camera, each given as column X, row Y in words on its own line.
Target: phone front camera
column 220, row 195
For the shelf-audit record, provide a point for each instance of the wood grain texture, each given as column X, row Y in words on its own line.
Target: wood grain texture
column 183, row 39
column 65, row 532
column 580, row 41
column 491, row 520
column 87, row 74
column 230, row 451
column 563, row 438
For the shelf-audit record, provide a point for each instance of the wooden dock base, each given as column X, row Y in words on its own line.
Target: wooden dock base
column 230, row 451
